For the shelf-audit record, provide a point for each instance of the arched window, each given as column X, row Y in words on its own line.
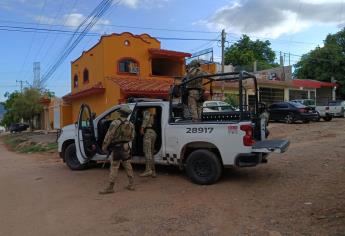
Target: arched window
column 128, row 66
column 86, row 76
column 75, row 81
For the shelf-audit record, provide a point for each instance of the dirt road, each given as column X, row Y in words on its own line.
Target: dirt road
column 298, row 193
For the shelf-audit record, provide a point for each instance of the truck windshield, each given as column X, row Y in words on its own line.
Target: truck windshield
column 334, row 103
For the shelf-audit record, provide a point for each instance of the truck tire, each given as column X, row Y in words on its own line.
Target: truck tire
column 71, row 158
column 203, row 167
column 327, row 118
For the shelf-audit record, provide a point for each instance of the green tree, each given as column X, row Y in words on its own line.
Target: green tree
column 245, row 51
column 10, row 115
column 325, row 62
column 24, row 105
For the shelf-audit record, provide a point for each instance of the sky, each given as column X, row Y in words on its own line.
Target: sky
column 293, row 26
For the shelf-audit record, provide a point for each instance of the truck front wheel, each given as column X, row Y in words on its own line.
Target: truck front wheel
column 203, row 167
column 71, row 158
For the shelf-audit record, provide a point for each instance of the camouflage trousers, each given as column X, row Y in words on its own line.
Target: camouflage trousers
column 149, row 144
column 194, row 104
column 115, row 164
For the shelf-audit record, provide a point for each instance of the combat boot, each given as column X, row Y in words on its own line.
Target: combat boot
column 108, row 189
column 130, row 185
column 153, row 169
column 148, row 171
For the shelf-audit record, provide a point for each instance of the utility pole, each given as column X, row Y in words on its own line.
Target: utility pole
column 21, row 84
column 223, row 48
column 223, row 61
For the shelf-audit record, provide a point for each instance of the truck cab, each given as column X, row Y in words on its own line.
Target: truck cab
column 219, row 140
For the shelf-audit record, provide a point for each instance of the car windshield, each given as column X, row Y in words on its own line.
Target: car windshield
column 297, row 105
column 309, row 102
column 334, row 103
column 226, row 106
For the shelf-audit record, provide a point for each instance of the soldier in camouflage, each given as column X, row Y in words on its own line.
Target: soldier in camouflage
column 120, row 133
column 149, row 142
column 195, row 90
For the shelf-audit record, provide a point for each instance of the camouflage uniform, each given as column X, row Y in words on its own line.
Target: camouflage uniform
column 119, row 146
column 195, row 92
column 149, row 143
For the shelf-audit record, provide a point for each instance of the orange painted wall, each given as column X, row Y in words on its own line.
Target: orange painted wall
column 102, row 63
column 66, row 115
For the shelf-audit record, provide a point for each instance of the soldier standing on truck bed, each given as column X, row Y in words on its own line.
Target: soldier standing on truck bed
column 116, row 141
column 195, row 90
column 149, row 140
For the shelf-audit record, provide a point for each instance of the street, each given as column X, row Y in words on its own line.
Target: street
column 300, row 192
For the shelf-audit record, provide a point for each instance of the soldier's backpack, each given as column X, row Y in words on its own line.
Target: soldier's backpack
column 125, row 132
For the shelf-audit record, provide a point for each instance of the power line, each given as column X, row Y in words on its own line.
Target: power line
column 32, row 29
column 87, row 23
column 42, row 30
column 33, row 38
column 126, row 26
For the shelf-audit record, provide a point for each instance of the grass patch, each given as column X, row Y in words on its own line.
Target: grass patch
column 24, row 145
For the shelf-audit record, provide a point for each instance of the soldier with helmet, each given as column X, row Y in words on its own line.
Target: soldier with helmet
column 195, row 89
column 149, row 140
column 116, row 141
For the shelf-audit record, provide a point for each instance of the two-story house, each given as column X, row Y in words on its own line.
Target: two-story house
column 118, row 67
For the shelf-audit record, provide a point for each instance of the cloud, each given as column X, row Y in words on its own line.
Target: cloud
column 72, row 20
column 272, row 18
column 143, row 3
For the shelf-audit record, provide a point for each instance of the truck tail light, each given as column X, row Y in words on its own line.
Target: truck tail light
column 248, row 137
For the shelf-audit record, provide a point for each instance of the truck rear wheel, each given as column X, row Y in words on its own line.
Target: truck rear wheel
column 71, row 158
column 203, row 167
column 327, row 118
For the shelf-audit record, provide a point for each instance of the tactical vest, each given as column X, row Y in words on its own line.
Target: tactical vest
column 125, row 132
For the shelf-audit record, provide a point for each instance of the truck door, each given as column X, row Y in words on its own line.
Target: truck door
column 86, row 141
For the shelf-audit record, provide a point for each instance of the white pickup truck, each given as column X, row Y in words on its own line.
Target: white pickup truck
column 203, row 148
column 335, row 108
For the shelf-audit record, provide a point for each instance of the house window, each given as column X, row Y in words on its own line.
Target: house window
column 75, row 81
column 86, row 76
column 128, row 66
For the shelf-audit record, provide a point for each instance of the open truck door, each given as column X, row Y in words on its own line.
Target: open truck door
column 86, row 140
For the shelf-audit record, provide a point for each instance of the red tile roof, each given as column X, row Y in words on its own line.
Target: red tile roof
column 96, row 89
column 168, row 53
column 312, row 83
column 143, row 87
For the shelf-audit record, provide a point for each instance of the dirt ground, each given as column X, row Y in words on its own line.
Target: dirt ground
column 300, row 192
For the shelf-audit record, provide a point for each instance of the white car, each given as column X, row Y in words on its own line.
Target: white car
column 216, row 106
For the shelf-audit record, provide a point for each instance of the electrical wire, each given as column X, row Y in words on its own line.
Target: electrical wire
column 87, row 23
column 33, row 38
column 123, row 26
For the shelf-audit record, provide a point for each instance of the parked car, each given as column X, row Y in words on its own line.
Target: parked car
column 18, row 127
column 322, row 111
column 291, row 112
column 305, row 102
column 335, row 107
column 214, row 106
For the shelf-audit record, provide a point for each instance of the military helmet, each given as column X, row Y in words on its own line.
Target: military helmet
column 125, row 110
